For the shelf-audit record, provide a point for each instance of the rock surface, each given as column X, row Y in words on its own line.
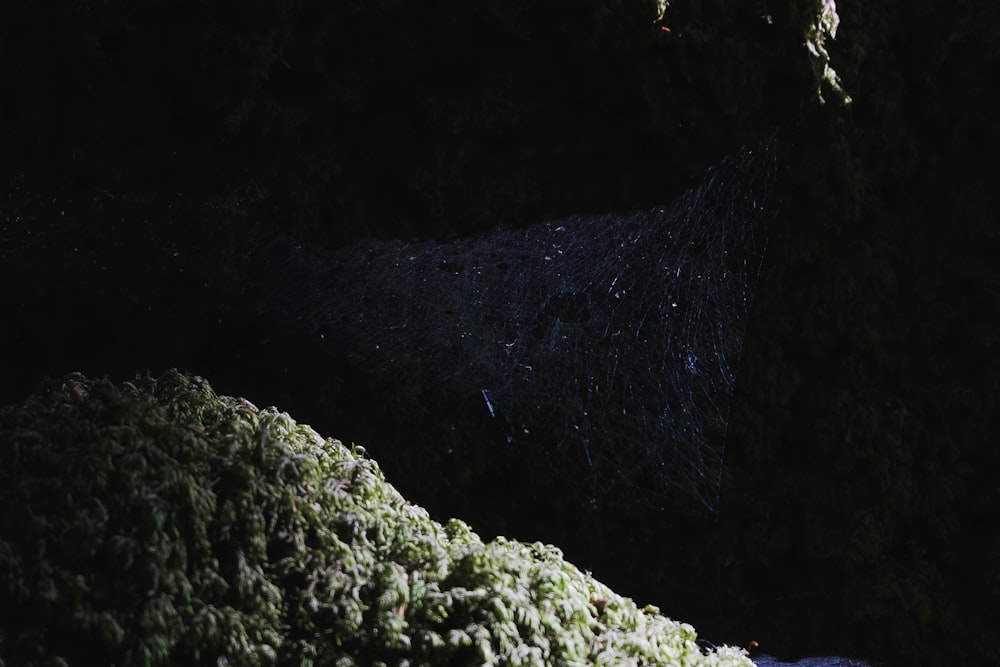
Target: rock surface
column 768, row 661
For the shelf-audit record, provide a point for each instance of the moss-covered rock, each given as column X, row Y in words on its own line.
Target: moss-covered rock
column 158, row 523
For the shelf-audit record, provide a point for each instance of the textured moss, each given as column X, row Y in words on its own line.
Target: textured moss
column 158, row 523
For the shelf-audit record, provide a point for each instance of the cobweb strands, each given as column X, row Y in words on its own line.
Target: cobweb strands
column 604, row 346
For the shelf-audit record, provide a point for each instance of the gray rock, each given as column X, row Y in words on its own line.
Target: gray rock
column 768, row 661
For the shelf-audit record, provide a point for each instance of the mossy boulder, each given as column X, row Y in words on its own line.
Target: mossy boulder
column 155, row 522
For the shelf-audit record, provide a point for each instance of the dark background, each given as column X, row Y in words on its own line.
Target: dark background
column 149, row 151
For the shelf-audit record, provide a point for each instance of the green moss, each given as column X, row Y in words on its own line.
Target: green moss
column 825, row 26
column 158, row 523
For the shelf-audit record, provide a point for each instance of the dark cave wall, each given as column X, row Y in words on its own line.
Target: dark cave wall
column 869, row 362
column 389, row 119
column 862, row 436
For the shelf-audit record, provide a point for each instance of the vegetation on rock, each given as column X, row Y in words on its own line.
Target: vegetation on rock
column 158, row 523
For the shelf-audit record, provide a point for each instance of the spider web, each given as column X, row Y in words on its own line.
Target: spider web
column 605, row 346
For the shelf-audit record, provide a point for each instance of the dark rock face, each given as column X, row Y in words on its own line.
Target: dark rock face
column 768, row 661
column 861, row 447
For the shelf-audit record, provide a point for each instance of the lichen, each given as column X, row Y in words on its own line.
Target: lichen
column 158, row 523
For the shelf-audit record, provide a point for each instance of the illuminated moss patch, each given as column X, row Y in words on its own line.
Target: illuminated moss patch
column 158, row 523
column 825, row 26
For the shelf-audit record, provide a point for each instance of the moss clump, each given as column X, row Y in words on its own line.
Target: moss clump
column 158, row 523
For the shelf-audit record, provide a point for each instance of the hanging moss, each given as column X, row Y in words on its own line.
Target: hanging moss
column 824, row 27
